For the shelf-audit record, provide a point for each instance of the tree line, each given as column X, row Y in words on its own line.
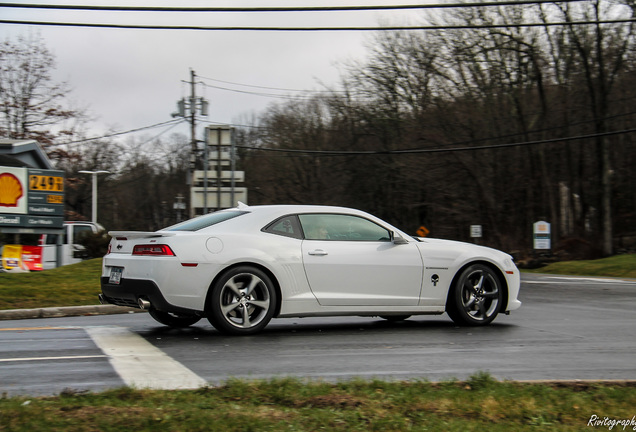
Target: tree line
column 499, row 125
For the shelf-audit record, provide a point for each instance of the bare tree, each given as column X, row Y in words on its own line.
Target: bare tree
column 507, row 99
column 603, row 53
column 32, row 105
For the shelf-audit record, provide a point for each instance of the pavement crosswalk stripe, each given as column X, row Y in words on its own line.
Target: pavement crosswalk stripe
column 139, row 363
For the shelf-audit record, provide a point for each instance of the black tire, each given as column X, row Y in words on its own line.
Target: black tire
column 476, row 297
column 173, row 320
column 395, row 318
column 242, row 301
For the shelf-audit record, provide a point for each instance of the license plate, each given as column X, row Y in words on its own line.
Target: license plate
column 115, row 275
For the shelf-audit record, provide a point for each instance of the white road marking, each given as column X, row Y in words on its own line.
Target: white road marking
column 593, row 279
column 139, row 363
column 23, row 359
column 570, row 280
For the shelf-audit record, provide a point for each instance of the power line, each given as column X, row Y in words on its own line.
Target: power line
column 264, row 87
column 171, row 123
column 318, row 28
column 272, row 95
column 175, row 122
column 282, row 9
column 291, row 97
column 435, row 150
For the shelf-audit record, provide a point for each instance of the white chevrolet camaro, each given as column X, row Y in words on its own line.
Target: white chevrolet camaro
column 243, row 266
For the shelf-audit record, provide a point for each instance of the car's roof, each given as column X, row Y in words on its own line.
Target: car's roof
column 256, row 217
column 278, row 210
column 295, row 208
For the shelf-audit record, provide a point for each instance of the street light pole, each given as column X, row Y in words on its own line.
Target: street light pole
column 94, row 174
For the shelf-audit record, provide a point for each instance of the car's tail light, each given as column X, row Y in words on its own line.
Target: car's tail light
column 154, row 250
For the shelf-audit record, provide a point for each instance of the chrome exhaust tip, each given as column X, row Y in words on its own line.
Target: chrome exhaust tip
column 102, row 300
column 143, row 304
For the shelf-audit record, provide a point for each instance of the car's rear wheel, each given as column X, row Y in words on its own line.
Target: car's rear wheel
column 476, row 296
column 242, row 301
column 173, row 320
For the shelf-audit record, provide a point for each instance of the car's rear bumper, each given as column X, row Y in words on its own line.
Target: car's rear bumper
column 129, row 291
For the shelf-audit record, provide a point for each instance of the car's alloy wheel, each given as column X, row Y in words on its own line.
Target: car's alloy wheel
column 173, row 320
column 476, row 297
column 243, row 301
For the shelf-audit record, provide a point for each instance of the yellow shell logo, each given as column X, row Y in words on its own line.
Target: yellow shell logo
column 10, row 190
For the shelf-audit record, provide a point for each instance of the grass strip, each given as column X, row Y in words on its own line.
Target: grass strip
column 481, row 403
column 71, row 285
column 621, row 266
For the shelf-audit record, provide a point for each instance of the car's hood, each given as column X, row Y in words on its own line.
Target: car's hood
column 463, row 247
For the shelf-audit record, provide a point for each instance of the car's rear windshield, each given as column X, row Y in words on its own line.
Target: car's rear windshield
column 205, row 221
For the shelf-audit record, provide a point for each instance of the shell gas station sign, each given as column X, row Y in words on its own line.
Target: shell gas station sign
column 12, row 191
column 31, row 198
column 31, row 201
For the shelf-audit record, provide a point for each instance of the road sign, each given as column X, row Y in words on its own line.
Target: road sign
column 475, row 231
column 31, row 198
column 542, row 235
column 422, row 231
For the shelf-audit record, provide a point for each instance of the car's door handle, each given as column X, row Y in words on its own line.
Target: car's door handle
column 318, row 252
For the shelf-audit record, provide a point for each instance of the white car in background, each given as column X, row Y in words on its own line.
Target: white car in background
column 241, row 267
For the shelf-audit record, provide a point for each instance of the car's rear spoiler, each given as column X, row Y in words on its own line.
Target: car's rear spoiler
column 128, row 235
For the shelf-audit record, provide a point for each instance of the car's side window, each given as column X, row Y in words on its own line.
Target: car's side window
column 287, row 226
column 341, row 227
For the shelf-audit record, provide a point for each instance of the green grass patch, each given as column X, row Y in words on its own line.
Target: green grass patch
column 623, row 266
column 481, row 403
column 71, row 285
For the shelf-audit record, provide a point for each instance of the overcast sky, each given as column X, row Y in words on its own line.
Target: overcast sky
column 131, row 78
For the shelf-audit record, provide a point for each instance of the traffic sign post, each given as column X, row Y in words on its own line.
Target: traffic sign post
column 542, row 235
column 476, row 232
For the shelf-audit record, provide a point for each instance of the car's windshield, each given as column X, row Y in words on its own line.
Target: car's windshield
column 205, row 221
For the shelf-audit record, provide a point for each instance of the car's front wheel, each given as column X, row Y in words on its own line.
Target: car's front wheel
column 173, row 320
column 476, row 297
column 242, row 301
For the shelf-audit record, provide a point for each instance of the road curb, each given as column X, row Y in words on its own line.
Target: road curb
column 64, row 311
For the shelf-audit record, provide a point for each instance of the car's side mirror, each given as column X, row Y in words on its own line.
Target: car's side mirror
column 398, row 239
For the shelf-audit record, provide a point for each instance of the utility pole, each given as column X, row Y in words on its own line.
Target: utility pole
column 193, row 117
column 187, row 108
column 219, row 169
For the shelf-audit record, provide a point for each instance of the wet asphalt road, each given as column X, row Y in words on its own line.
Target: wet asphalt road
column 567, row 329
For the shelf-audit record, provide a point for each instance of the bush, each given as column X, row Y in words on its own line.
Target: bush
column 95, row 244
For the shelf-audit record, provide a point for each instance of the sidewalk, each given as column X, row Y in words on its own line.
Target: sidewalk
column 66, row 311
